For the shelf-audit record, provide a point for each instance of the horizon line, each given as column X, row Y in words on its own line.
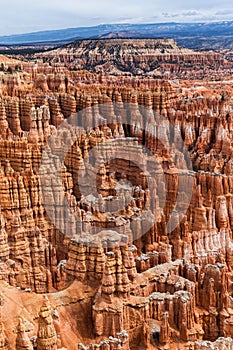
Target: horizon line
column 117, row 23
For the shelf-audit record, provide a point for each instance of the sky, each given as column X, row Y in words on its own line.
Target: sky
column 34, row 15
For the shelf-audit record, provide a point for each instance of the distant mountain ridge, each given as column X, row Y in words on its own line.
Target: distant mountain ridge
column 138, row 57
column 194, row 35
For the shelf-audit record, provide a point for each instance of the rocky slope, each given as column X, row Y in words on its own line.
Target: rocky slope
column 146, row 57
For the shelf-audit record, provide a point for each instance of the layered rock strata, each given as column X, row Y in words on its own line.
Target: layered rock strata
column 116, row 284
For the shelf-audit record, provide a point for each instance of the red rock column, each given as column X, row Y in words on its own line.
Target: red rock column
column 46, row 336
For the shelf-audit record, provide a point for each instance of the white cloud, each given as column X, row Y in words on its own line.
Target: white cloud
column 28, row 15
column 227, row 12
column 191, row 13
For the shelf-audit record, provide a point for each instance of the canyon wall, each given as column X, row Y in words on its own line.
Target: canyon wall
column 115, row 277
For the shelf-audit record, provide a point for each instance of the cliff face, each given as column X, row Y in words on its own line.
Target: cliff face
column 146, row 57
column 116, row 276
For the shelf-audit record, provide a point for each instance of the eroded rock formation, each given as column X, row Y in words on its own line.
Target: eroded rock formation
column 117, row 277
